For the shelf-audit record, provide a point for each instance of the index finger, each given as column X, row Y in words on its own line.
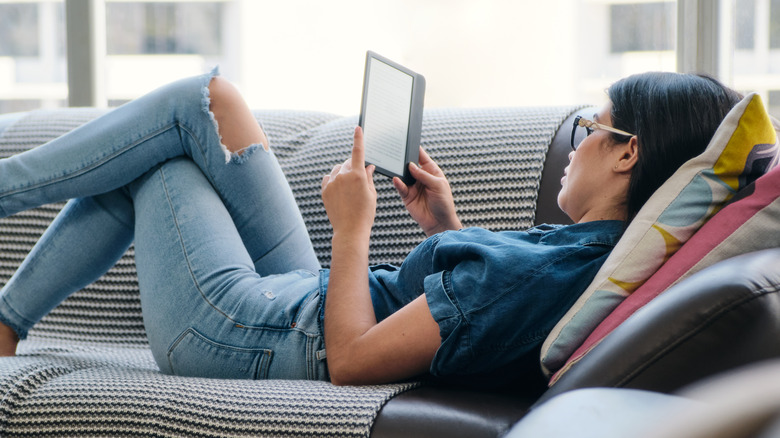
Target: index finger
column 424, row 157
column 358, row 150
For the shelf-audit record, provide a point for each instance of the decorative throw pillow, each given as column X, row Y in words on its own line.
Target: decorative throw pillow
column 750, row 222
column 742, row 149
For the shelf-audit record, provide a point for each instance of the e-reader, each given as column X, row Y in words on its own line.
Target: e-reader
column 391, row 116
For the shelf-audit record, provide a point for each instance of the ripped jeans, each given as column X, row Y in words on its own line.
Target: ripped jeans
column 227, row 274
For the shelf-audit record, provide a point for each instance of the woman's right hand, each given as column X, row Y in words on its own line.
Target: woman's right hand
column 429, row 201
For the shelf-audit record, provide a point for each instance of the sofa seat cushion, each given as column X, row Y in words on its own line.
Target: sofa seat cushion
column 84, row 390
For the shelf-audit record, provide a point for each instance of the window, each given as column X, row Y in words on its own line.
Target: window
column 304, row 54
column 745, row 12
column 755, row 65
column 32, row 55
column 164, row 28
column 774, row 101
column 149, row 44
column 642, row 27
column 774, row 24
column 19, row 29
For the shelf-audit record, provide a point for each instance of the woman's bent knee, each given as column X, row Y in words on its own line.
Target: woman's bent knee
column 237, row 126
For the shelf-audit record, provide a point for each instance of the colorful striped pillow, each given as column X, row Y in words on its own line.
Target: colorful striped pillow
column 743, row 148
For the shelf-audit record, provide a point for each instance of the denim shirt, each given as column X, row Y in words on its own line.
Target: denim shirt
column 494, row 295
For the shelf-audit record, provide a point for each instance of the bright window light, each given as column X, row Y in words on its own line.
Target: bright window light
column 309, row 54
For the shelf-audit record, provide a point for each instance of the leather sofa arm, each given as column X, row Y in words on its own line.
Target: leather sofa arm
column 720, row 318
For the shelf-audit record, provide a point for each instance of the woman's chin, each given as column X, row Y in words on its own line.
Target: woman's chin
column 562, row 202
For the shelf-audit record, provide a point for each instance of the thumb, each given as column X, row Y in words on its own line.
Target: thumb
column 421, row 175
column 370, row 174
column 400, row 187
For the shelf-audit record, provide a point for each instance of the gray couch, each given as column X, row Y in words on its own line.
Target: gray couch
column 86, row 369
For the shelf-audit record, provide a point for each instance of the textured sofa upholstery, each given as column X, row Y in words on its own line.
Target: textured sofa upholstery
column 86, row 369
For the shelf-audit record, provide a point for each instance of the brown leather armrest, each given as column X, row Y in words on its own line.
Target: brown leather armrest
column 433, row 411
column 722, row 317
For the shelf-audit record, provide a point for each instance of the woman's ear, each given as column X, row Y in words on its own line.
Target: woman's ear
column 628, row 157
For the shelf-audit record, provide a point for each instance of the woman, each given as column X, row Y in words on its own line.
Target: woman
column 230, row 286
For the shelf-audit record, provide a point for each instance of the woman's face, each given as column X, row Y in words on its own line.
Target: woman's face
column 585, row 184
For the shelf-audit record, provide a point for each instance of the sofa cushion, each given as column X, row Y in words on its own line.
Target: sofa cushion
column 55, row 389
column 742, row 149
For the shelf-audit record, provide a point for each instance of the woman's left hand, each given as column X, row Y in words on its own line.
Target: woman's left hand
column 349, row 194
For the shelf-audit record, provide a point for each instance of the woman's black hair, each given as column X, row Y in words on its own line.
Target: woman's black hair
column 673, row 116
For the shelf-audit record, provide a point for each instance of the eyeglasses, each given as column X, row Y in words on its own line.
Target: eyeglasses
column 590, row 126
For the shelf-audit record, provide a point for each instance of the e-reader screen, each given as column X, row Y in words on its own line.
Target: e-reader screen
column 391, row 115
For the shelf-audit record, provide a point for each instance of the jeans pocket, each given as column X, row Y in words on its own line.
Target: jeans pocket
column 194, row 355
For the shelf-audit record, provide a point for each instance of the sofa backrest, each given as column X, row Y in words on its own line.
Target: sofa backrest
column 493, row 158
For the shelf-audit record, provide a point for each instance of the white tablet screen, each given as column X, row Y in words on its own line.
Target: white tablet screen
column 386, row 123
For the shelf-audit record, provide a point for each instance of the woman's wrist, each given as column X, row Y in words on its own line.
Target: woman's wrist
column 452, row 225
column 353, row 238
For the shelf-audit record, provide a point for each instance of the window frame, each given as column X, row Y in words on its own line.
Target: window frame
column 85, row 32
column 701, row 36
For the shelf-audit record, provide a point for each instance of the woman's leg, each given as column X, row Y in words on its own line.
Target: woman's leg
column 253, row 187
column 96, row 158
column 84, row 241
column 174, row 121
column 104, row 154
column 275, row 235
column 206, row 310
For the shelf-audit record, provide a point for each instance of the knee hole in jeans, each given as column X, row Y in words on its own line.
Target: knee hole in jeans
column 236, row 125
